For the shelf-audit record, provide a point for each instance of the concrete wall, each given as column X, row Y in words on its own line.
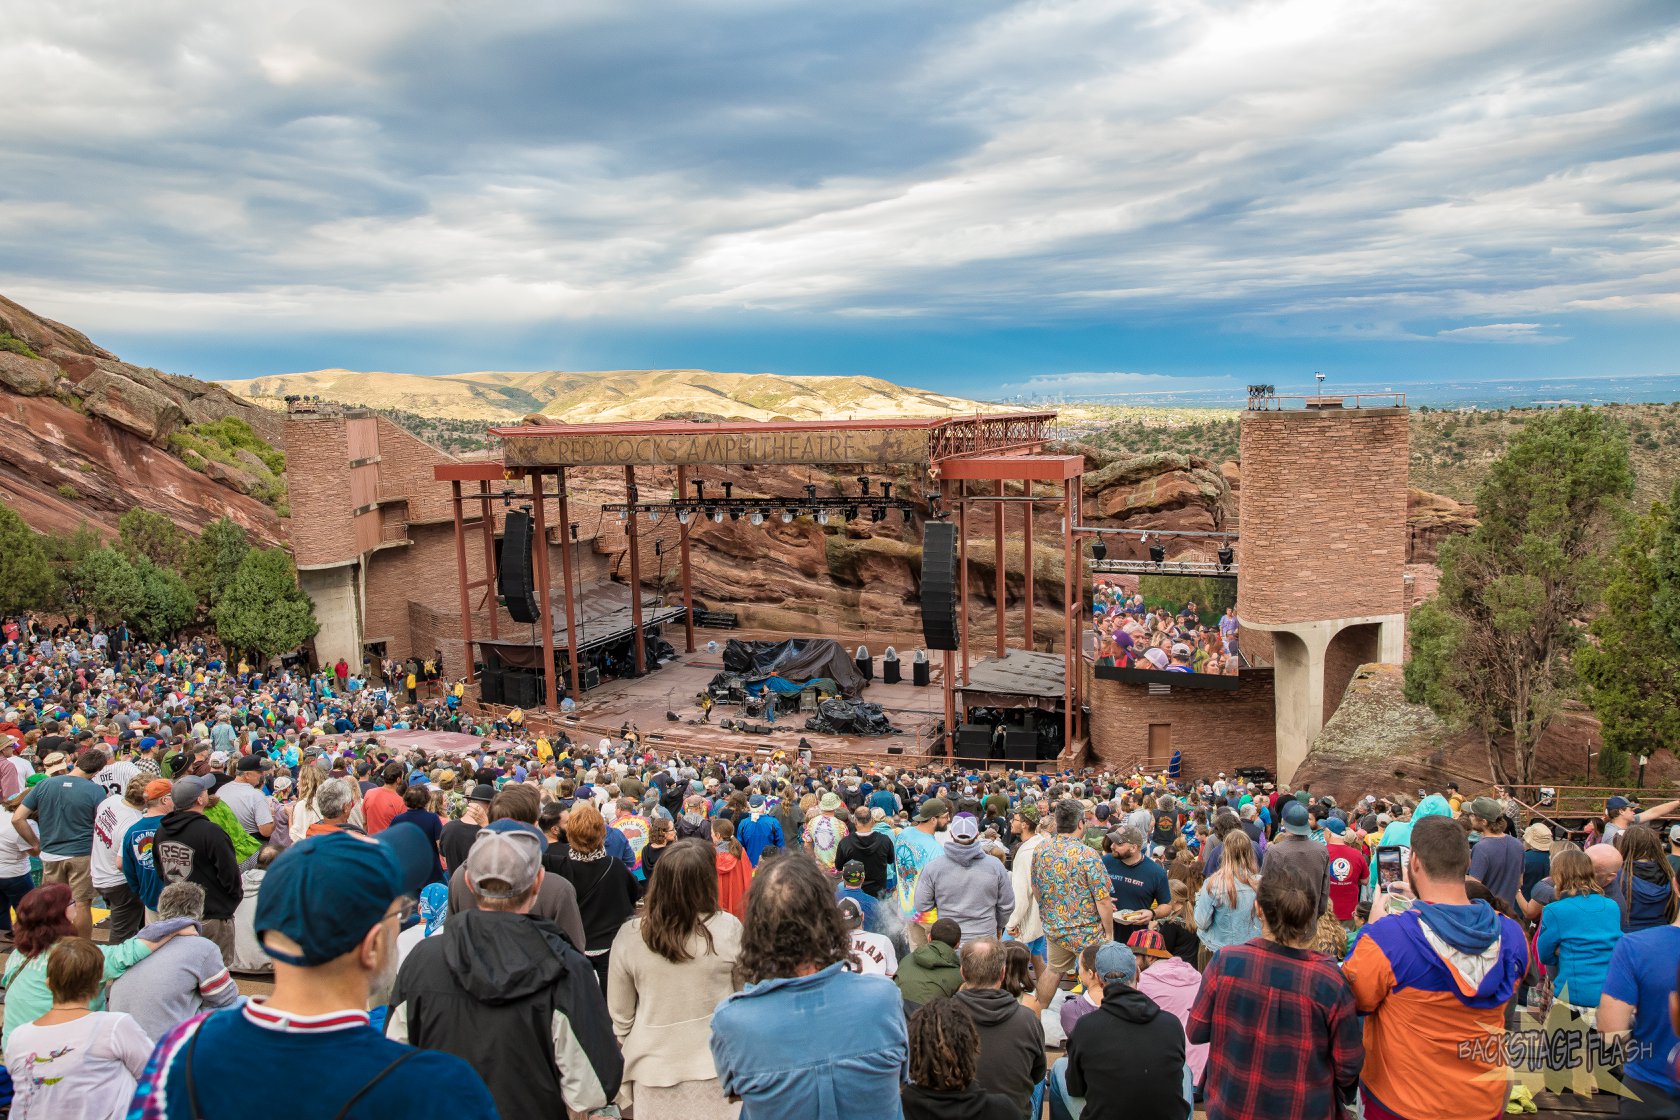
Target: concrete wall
column 338, row 610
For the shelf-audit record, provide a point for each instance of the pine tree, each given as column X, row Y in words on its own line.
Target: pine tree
column 144, row 534
column 26, row 575
column 213, row 560
column 110, row 587
column 263, row 610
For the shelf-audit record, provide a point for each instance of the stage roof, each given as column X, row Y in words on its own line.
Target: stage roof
column 1019, row 673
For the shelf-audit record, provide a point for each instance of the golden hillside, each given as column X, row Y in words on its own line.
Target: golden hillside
column 586, row 397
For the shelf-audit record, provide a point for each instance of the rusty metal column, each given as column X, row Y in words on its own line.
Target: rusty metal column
column 687, row 573
column 1001, row 571
column 461, row 575
column 1078, row 589
column 635, row 573
column 545, row 597
column 1069, row 660
column 566, row 546
column 1027, row 564
column 487, row 522
column 962, row 574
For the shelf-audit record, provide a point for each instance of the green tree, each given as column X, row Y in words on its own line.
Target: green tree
column 66, row 551
column 263, row 610
column 214, row 558
column 166, row 602
column 1210, row 594
column 109, row 587
column 142, row 533
column 1632, row 669
column 1494, row 651
column 26, row 575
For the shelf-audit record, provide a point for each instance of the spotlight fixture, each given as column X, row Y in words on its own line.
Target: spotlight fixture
column 886, row 489
column 863, row 485
column 735, row 513
column 1099, row 549
column 822, row 517
column 787, row 517
column 878, row 514
column 1225, row 557
column 699, row 489
column 851, row 513
column 717, row 515
column 906, row 512
column 1157, row 553
column 757, row 517
column 684, row 515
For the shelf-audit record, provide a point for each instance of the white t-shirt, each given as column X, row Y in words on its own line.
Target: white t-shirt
column 875, row 953
column 14, row 857
column 85, row 1069
column 115, row 777
column 110, row 823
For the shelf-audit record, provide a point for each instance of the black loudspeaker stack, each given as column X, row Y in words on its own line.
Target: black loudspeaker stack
column 940, row 625
column 974, row 742
column 513, row 571
column 490, row 686
column 523, row 690
column 919, row 672
column 891, row 672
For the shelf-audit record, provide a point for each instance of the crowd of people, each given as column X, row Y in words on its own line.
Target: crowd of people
column 546, row 925
column 1130, row 635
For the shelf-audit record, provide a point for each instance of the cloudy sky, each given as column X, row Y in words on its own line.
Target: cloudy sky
column 1100, row 196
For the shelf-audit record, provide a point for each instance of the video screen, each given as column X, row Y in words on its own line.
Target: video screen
column 1174, row 630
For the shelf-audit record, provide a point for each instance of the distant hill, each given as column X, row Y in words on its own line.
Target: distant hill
column 583, row 397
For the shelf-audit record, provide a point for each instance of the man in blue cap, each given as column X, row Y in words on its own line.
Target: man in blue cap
column 329, row 913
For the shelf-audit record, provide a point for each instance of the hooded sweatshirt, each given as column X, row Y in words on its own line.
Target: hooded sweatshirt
column 1430, row 981
column 1174, row 985
column 1011, row 1044
column 190, row 846
column 1127, row 1057
column 972, row 1103
column 1643, row 898
column 510, row 994
column 969, row 887
column 931, row 972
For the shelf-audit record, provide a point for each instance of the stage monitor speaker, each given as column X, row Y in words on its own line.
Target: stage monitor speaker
column 891, row 671
column 523, row 690
column 490, row 686
column 866, row 668
column 590, row 677
column 919, row 672
column 974, row 741
column 513, row 569
column 1020, row 746
column 941, row 627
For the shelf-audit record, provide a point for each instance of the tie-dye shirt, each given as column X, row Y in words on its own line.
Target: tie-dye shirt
column 1070, row 880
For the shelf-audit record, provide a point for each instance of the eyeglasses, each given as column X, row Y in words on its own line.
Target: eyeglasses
column 405, row 910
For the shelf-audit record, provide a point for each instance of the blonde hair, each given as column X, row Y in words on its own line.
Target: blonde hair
column 1237, row 866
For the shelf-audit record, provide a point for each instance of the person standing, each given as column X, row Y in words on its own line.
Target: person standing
column 1496, row 861
column 110, row 824
column 872, row 849
column 759, row 830
column 824, row 832
column 670, row 968
column 189, row 847
column 64, row 805
column 965, row 884
column 1348, row 869
column 1432, row 982
column 606, row 891
column 1635, row 1008
column 139, row 868
column 455, row 841
column 914, row 849
column 797, row 989
column 1071, row 885
column 1294, row 846
column 478, row 987
column 1226, row 913
column 1276, row 1006
column 1138, row 884
column 384, row 801
column 1126, row 1057
column 1024, row 924
column 1578, row 930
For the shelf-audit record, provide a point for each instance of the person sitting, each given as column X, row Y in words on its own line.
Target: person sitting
column 1127, row 1057
column 932, row 971
column 944, row 1052
column 1011, row 1036
column 183, row 977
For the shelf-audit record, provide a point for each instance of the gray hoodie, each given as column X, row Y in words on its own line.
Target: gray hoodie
column 969, row 887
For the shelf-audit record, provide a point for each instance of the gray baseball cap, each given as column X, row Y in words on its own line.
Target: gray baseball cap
column 186, row 791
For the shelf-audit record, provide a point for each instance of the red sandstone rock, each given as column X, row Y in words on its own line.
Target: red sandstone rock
column 1431, row 519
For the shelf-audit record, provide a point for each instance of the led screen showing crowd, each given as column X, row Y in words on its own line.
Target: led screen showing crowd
column 1167, row 625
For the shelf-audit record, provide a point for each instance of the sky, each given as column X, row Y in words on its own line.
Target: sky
column 1054, row 198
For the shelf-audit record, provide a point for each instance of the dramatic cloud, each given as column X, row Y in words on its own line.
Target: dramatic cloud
column 1414, row 171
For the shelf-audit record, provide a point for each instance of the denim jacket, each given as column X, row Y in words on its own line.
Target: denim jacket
column 1221, row 924
column 829, row 1046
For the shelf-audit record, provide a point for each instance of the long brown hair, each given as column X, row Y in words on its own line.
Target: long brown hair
column 723, row 833
column 1572, row 872
column 1641, row 844
column 682, row 893
column 792, row 920
column 42, row 919
column 944, row 1046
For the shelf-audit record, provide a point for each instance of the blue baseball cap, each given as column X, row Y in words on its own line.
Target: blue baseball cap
column 1295, row 818
column 325, row 892
column 1114, row 962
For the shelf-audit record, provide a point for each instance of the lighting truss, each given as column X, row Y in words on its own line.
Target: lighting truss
column 874, row 508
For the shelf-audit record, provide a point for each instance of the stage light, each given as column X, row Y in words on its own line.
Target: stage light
column 851, row 513
column 717, row 515
column 822, row 517
column 1225, row 557
column 735, row 512
column 906, row 512
column 1157, row 553
column 653, row 516
column 757, row 517
column 684, row 515
column 863, row 485
column 728, row 490
column 700, row 489
column 877, row 514
column 886, row 489
column 787, row 517
column 1099, row 549
column 811, row 491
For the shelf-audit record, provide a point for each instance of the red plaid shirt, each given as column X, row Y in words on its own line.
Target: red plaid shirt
column 1284, row 1033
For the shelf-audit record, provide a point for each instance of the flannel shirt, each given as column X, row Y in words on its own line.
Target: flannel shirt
column 1284, row 1033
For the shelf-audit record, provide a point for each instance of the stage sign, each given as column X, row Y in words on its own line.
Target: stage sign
column 861, row 447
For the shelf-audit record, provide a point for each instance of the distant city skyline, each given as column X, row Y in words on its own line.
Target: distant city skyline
column 1071, row 198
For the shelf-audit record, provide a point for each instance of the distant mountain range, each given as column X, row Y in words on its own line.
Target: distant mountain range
column 633, row 394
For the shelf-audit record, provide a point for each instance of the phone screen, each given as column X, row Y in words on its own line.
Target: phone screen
column 1391, row 866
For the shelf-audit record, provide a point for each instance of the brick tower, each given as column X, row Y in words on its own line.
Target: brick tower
column 1322, row 550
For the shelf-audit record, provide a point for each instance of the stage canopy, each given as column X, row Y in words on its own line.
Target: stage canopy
column 798, row 660
column 1020, row 679
column 603, row 617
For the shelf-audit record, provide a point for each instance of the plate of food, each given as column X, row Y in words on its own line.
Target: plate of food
column 1135, row 917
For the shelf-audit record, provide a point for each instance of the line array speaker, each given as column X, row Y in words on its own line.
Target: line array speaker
column 523, row 690
column 941, row 628
column 513, row 569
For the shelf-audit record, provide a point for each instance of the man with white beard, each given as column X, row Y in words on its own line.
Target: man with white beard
column 329, row 914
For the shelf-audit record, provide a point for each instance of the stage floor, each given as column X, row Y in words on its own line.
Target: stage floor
column 676, row 687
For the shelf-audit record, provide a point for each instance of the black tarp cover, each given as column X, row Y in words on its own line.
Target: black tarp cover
column 798, row 659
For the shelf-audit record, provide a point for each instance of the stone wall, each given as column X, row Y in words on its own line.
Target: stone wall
column 1215, row 730
column 318, row 487
column 1323, row 515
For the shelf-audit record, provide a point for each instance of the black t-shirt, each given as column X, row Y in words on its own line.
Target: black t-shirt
column 1142, row 886
column 455, row 842
column 875, row 851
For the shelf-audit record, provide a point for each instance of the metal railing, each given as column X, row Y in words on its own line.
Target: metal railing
column 1280, row 402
